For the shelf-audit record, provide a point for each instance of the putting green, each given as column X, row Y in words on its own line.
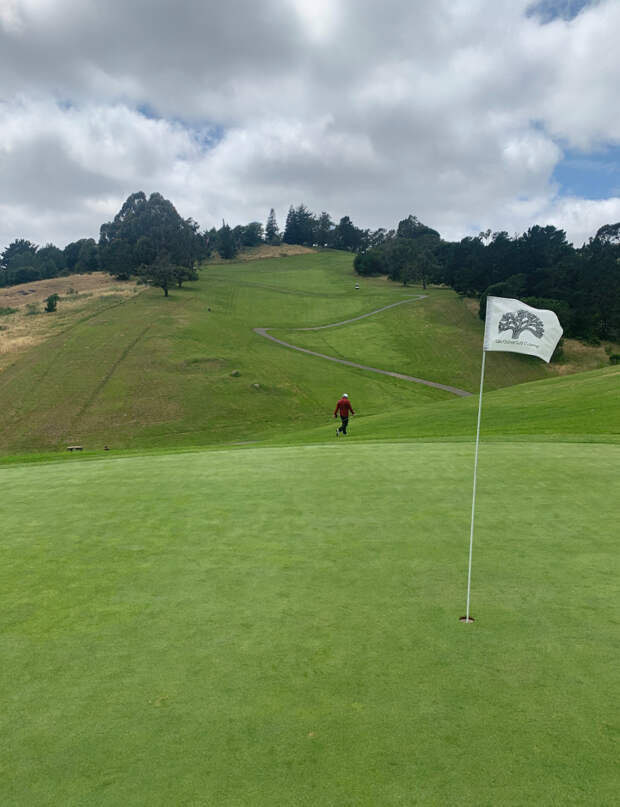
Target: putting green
column 280, row 626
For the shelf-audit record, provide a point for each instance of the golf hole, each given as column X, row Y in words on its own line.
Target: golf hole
column 466, row 619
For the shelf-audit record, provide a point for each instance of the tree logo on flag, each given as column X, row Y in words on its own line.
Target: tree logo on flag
column 520, row 321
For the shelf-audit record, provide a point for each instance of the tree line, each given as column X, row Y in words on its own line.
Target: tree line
column 148, row 239
column 538, row 267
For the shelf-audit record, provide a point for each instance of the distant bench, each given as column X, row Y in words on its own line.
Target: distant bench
column 74, row 448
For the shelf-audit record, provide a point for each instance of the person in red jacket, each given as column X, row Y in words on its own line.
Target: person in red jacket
column 344, row 408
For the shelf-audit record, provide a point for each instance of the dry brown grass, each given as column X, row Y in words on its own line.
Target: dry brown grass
column 579, row 357
column 263, row 252
column 472, row 304
column 23, row 330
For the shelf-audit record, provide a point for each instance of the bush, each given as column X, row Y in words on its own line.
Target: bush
column 614, row 358
column 370, row 263
column 4, row 312
column 51, row 303
column 558, row 353
column 32, row 309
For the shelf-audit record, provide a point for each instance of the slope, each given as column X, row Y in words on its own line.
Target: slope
column 189, row 370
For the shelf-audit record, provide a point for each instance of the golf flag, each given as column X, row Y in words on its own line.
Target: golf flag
column 518, row 328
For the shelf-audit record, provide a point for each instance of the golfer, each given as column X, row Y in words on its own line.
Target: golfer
column 344, row 408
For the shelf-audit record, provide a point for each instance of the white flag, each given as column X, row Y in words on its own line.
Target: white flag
column 518, row 328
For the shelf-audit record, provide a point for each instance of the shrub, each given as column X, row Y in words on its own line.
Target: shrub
column 558, row 353
column 32, row 308
column 614, row 358
column 4, row 312
column 51, row 302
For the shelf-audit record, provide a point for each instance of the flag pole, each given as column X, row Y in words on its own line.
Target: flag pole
column 473, row 501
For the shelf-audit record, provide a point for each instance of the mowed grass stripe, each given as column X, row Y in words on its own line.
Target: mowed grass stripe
column 279, row 626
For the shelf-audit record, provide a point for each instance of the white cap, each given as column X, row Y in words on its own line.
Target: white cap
column 344, row 395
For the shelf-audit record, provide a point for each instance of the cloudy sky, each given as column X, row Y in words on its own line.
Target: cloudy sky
column 470, row 114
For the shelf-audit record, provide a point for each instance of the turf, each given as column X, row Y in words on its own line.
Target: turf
column 158, row 372
column 280, row 626
column 578, row 408
column 277, row 623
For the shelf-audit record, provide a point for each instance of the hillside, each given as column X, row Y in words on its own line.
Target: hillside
column 135, row 371
column 196, row 620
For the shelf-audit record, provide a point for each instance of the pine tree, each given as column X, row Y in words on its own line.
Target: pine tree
column 225, row 242
column 272, row 231
column 290, row 229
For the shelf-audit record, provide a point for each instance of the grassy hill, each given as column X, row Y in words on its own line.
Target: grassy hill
column 278, row 623
column 146, row 371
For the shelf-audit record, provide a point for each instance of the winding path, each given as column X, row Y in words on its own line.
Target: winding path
column 265, row 332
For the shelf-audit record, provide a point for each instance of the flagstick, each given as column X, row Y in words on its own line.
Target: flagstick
column 473, row 501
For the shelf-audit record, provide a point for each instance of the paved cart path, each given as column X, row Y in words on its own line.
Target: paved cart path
column 265, row 332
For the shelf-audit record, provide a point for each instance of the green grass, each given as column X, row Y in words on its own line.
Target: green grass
column 280, row 626
column 581, row 407
column 155, row 372
column 278, row 623
column 436, row 338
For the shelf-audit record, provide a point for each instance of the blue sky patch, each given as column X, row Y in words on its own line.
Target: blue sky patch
column 595, row 175
column 549, row 10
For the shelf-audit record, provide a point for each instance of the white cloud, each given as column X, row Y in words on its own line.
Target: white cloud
column 454, row 111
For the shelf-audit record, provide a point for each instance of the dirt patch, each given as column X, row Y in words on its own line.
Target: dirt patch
column 29, row 325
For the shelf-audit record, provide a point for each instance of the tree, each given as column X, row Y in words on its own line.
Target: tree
column 145, row 230
column 88, row 256
column 290, row 228
column 305, row 225
column 370, row 263
column 160, row 273
column 51, row 261
column 210, row 239
column 272, row 233
column 300, row 226
column 347, row 236
column 423, row 264
column 252, row 234
column 26, row 274
column 412, row 228
column 19, row 252
column 609, row 233
column 183, row 273
column 378, row 237
column 323, row 234
column 225, row 242
column 118, row 257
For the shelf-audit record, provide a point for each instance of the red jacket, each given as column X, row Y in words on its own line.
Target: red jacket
column 344, row 407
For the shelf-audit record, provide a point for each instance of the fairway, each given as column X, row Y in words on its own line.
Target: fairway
column 147, row 372
column 280, row 626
